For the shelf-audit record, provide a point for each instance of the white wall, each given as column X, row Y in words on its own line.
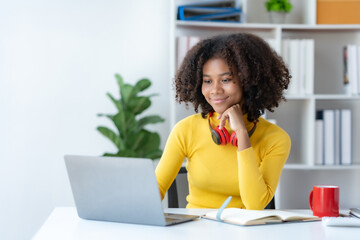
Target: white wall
column 57, row 61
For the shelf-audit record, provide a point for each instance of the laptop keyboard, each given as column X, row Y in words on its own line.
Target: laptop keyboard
column 172, row 218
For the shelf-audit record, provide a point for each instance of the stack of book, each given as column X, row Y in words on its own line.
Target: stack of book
column 298, row 54
column 211, row 11
column 333, row 140
column 351, row 59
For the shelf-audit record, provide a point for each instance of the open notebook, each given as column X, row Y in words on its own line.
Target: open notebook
column 256, row 217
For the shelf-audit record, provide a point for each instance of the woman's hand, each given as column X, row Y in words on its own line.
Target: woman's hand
column 234, row 116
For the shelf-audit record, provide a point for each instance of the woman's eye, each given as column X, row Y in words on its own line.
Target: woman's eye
column 226, row 80
column 206, row 81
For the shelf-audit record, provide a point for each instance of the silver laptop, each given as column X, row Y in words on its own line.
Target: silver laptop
column 118, row 189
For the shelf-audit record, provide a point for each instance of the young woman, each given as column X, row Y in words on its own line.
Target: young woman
column 233, row 79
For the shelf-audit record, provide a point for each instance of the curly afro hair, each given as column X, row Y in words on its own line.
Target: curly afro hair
column 263, row 75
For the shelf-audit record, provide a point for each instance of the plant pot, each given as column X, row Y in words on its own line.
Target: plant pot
column 277, row 17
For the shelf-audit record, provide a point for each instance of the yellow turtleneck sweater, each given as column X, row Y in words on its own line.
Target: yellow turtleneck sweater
column 216, row 172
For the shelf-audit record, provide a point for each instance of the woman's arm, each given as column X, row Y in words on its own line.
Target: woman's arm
column 257, row 183
column 171, row 159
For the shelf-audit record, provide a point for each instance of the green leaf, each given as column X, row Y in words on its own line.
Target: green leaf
column 149, row 120
column 127, row 153
column 287, row 7
column 110, row 155
column 125, row 90
column 110, row 134
column 136, row 140
column 152, row 142
column 126, row 94
column 154, row 155
column 278, row 6
column 125, row 122
column 142, row 84
column 139, row 104
column 120, row 82
column 129, row 92
column 152, row 95
column 117, row 103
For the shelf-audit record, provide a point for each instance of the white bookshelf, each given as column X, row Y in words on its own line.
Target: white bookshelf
column 321, row 167
column 297, row 114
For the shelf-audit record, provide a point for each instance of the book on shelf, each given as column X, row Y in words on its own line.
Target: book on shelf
column 358, row 68
column 319, row 138
column 258, row 217
column 337, row 136
column 351, row 61
column 285, row 50
column 345, row 137
column 329, row 136
column 211, row 11
column 293, row 64
column 309, row 65
column 298, row 54
column 301, row 66
column 333, row 138
column 346, row 71
column 184, row 44
column 352, row 68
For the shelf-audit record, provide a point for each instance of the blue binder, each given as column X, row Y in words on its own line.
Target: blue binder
column 211, row 11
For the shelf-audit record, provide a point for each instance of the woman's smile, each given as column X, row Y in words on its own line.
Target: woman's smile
column 218, row 100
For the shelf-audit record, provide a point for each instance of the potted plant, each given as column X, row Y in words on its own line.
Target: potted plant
column 131, row 138
column 277, row 10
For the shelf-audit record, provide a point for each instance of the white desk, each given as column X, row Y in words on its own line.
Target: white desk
column 64, row 223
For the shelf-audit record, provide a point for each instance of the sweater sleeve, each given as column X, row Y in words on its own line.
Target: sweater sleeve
column 171, row 159
column 258, row 181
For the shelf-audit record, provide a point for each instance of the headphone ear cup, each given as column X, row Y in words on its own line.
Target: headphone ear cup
column 223, row 135
column 215, row 137
column 233, row 139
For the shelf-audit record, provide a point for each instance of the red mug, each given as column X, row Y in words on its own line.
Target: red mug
column 324, row 201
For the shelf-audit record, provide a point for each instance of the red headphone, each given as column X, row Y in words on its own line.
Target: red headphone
column 221, row 136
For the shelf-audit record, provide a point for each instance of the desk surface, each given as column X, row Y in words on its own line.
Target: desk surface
column 64, row 223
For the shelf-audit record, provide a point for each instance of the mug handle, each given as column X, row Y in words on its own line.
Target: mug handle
column 311, row 200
